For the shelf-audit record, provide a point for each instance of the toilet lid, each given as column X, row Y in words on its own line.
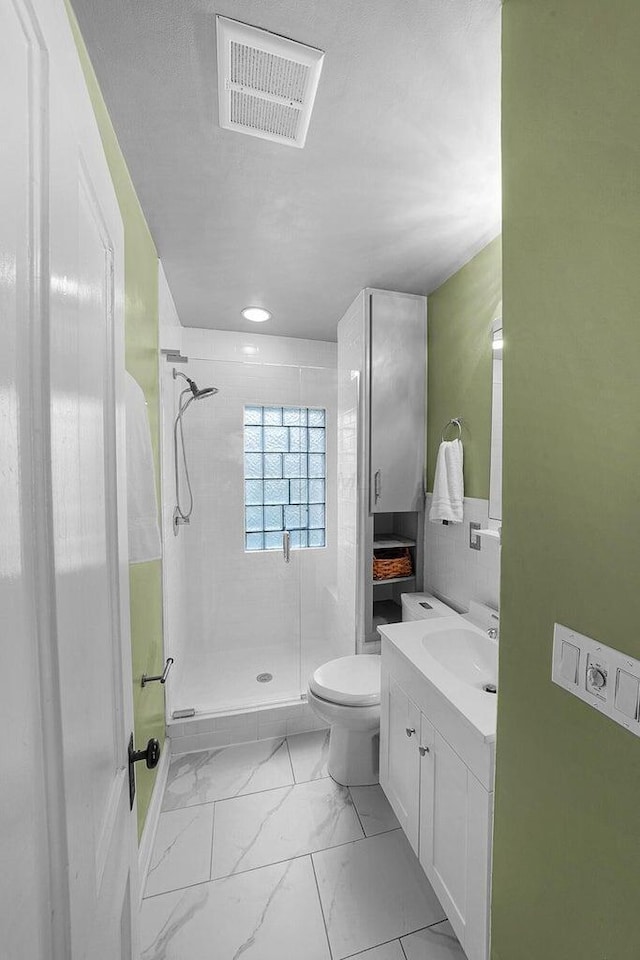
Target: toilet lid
column 349, row 680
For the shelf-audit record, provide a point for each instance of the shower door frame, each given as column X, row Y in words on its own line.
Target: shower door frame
column 300, row 558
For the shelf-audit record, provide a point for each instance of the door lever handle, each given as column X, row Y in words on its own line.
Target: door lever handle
column 151, row 756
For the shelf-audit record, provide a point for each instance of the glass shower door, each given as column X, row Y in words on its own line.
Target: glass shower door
column 240, row 639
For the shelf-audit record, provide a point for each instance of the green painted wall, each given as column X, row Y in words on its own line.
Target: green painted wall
column 567, row 823
column 461, row 312
column 141, row 347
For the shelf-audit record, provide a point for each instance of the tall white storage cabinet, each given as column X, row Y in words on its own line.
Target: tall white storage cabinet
column 382, row 361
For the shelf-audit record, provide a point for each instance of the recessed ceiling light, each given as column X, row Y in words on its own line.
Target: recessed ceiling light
column 257, row 314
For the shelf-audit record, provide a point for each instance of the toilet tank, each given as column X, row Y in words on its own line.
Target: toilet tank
column 422, row 606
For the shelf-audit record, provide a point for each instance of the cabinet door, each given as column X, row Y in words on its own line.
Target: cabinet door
column 398, row 374
column 455, row 831
column 427, row 755
column 400, row 767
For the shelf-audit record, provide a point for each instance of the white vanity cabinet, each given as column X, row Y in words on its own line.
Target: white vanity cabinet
column 442, row 797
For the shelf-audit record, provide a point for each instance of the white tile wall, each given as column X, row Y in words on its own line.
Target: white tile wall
column 208, row 732
column 453, row 571
column 257, row 348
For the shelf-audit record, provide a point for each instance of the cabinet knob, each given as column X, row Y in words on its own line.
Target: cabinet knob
column 410, row 731
column 423, row 750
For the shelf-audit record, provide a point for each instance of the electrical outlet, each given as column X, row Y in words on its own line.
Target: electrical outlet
column 475, row 540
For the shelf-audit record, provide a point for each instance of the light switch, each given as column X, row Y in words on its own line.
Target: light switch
column 627, row 694
column 569, row 661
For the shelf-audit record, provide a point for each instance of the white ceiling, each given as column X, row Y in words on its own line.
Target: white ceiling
column 397, row 186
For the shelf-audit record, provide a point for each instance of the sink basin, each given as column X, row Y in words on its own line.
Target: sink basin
column 465, row 653
column 457, row 658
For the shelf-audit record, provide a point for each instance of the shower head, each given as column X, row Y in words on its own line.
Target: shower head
column 197, row 393
column 200, row 394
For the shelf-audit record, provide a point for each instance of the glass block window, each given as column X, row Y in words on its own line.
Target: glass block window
column 284, row 476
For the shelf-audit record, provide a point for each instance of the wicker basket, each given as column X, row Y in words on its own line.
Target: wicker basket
column 391, row 563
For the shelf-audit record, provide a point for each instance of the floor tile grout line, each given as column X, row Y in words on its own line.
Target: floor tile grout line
column 324, row 921
column 274, row 863
column 213, row 827
column 249, row 793
column 376, row 946
column 230, row 876
column 293, row 772
column 307, row 853
column 383, row 943
column 239, row 796
column 353, row 804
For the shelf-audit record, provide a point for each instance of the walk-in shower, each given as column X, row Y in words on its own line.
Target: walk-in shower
column 246, row 620
column 190, row 393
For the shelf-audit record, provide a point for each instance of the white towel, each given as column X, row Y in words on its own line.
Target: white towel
column 448, row 487
column 144, row 533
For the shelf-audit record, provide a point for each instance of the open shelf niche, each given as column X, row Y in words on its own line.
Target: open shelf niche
column 393, row 530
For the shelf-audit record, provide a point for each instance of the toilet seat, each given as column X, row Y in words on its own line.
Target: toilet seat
column 351, row 681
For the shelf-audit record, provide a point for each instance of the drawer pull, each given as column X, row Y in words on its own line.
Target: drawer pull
column 410, row 731
column 423, row 750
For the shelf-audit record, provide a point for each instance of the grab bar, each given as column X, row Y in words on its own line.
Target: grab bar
column 162, row 677
column 286, row 546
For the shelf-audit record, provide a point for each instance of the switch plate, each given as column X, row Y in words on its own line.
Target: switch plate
column 618, row 696
column 475, row 540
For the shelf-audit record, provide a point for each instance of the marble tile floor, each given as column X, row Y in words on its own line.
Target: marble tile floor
column 260, row 855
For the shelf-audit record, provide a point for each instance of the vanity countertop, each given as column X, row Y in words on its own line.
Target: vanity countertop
column 458, row 659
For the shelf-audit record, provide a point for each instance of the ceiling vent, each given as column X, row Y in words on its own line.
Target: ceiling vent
column 266, row 83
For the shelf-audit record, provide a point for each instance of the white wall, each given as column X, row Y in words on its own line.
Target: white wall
column 455, row 572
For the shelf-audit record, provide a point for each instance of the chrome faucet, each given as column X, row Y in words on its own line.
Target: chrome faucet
column 493, row 633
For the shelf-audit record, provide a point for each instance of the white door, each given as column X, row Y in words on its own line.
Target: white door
column 63, row 566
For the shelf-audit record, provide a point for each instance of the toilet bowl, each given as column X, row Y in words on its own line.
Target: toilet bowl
column 345, row 693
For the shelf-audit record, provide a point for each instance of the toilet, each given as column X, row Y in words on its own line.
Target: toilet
column 345, row 693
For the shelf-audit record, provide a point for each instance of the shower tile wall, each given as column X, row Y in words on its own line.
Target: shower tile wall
column 241, row 614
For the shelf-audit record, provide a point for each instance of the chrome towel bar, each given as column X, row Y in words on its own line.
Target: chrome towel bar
column 162, row 677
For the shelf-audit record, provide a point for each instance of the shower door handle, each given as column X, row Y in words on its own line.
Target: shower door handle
column 286, row 546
